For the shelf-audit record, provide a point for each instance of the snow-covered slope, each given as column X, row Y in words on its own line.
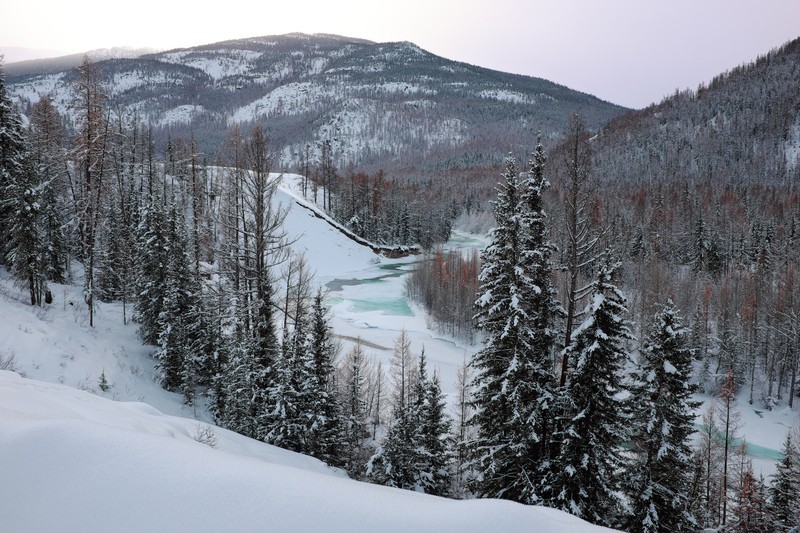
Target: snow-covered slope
column 72, row 461
column 384, row 105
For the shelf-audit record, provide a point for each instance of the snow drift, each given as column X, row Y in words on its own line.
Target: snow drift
column 73, row 461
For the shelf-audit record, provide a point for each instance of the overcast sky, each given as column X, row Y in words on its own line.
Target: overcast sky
column 630, row 52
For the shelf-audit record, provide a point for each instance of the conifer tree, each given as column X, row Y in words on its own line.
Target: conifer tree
column 26, row 247
column 516, row 309
column 751, row 514
column 663, row 414
column 46, row 138
column 326, row 427
column 352, row 387
column 241, row 395
column 585, row 477
column 12, row 161
column 414, row 455
column 175, row 355
column 90, row 154
column 784, row 490
column 152, row 259
column 435, row 436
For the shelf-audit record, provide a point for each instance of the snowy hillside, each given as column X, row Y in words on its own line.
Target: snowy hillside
column 383, row 104
column 74, row 462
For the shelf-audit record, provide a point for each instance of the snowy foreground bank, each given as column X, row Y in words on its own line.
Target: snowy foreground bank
column 73, row 461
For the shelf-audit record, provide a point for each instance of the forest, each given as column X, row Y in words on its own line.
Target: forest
column 618, row 281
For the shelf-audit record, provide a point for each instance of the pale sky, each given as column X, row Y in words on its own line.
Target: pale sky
column 630, row 52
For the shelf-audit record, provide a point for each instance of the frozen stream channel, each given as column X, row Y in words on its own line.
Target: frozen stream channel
column 371, row 305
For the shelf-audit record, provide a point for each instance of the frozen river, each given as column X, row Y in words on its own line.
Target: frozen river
column 370, row 304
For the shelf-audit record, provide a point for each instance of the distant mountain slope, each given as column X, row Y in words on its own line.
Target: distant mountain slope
column 389, row 105
column 743, row 128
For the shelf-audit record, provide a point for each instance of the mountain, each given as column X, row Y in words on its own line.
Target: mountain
column 743, row 128
column 383, row 105
column 54, row 63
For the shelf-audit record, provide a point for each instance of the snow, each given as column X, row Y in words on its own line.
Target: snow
column 223, row 64
column 792, row 146
column 292, row 98
column 504, row 95
column 182, row 114
column 72, row 461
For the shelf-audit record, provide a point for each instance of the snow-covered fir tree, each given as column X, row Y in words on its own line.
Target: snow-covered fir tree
column 658, row 481
column 25, row 246
column 352, row 398
column 436, row 440
column 326, row 427
column 31, row 243
column 784, row 490
column 414, row 455
column 177, row 323
column 513, row 385
column 152, row 258
column 584, row 479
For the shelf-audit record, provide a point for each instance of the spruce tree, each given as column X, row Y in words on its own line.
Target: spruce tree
column 516, row 309
column 326, row 423
column 435, row 437
column 352, row 387
column 152, row 260
column 663, row 413
column 46, row 138
column 585, row 477
column 175, row 355
column 784, row 490
column 25, row 247
column 12, row 162
column 414, row 454
column 289, row 416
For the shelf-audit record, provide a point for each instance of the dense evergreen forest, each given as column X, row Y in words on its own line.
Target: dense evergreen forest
column 625, row 271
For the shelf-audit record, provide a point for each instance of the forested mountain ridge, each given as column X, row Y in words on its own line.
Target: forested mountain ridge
column 742, row 128
column 383, row 105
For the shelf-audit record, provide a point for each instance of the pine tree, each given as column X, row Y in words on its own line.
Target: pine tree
column 513, row 381
column 663, row 414
column 585, row 477
column 784, row 490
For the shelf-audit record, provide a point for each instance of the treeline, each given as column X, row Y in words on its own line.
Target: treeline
column 446, row 285
column 380, row 209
